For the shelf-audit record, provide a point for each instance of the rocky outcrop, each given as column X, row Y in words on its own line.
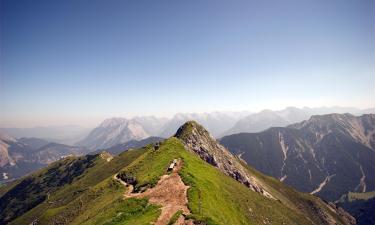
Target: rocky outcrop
column 197, row 139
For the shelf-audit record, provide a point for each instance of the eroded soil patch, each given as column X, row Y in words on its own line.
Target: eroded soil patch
column 170, row 192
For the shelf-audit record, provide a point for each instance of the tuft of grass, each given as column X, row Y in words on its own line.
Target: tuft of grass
column 175, row 217
column 126, row 211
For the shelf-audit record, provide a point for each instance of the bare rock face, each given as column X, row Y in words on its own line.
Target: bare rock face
column 197, row 139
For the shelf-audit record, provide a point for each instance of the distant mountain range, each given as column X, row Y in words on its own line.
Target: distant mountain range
column 265, row 119
column 115, row 131
column 215, row 122
column 112, row 132
column 327, row 155
column 22, row 156
column 132, row 144
column 68, row 134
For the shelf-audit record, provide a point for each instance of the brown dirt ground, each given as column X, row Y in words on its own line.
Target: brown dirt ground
column 181, row 221
column 170, row 192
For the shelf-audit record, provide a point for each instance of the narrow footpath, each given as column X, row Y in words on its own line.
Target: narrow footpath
column 170, row 193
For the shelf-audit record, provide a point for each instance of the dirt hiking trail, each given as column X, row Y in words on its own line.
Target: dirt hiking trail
column 170, row 193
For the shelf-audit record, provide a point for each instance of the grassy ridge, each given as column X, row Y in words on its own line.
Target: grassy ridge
column 94, row 197
column 213, row 197
column 220, row 199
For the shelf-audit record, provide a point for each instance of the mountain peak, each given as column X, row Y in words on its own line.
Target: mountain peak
column 113, row 121
column 190, row 128
column 333, row 116
column 113, row 131
column 199, row 141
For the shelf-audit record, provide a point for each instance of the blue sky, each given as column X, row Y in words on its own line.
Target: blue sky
column 66, row 62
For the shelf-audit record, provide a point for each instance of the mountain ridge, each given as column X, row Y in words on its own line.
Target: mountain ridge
column 96, row 197
column 265, row 119
column 117, row 130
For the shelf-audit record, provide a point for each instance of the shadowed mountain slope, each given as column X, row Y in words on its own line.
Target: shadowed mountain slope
column 19, row 157
column 327, row 155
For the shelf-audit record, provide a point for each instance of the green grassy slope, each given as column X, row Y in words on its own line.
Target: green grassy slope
column 212, row 196
column 33, row 190
column 93, row 183
column 95, row 197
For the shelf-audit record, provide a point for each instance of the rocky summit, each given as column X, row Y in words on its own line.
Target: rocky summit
column 198, row 140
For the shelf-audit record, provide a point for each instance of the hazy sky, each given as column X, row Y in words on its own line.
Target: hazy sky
column 77, row 61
